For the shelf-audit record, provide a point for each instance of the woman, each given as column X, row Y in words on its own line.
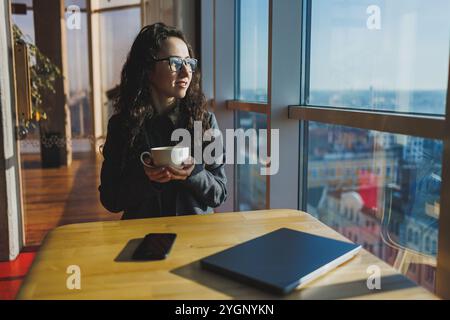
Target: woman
column 159, row 92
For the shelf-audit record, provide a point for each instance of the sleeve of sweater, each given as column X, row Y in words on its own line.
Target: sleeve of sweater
column 114, row 180
column 208, row 182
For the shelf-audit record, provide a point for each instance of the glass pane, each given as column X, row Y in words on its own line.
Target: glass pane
column 25, row 22
column 118, row 30
column 251, row 185
column 79, row 83
column 253, row 50
column 380, row 55
column 29, row 3
column 380, row 190
column 79, row 3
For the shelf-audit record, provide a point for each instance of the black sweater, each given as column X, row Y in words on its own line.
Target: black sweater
column 125, row 187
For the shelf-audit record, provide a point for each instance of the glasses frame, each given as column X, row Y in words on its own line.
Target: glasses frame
column 183, row 60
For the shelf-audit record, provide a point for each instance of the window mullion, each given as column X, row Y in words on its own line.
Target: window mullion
column 426, row 126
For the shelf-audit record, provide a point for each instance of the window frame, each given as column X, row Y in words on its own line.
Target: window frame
column 95, row 78
column 288, row 111
column 246, row 106
column 218, row 21
column 407, row 124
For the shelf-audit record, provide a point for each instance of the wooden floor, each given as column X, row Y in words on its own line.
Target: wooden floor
column 55, row 197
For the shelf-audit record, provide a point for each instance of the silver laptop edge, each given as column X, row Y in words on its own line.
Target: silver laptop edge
column 329, row 266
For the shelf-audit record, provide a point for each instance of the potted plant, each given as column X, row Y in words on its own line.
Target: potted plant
column 43, row 74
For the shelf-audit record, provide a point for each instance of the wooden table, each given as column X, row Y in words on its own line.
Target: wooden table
column 102, row 250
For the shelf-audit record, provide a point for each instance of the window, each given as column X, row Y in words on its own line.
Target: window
column 251, row 185
column 345, row 211
column 370, row 78
column 418, row 180
column 410, row 235
column 429, row 274
column 370, row 86
column 78, row 70
column 252, row 48
column 253, row 19
column 25, row 21
column 117, row 29
column 416, row 238
column 380, row 55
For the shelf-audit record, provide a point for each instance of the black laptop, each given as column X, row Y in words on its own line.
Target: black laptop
column 282, row 260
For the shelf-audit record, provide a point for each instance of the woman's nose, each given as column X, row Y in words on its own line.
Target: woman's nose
column 184, row 71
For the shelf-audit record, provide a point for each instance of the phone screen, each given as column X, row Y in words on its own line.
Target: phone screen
column 155, row 246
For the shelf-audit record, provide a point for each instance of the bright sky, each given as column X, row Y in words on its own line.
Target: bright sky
column 254, row 44
column 409, row 51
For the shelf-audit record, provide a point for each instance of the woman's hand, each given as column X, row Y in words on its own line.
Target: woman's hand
column 184, row 172
column 166, row 174
column 158, row 174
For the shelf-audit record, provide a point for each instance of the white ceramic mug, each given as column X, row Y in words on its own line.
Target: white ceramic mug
column 166, row 156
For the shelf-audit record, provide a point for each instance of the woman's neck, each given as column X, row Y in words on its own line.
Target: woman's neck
column 162, row 104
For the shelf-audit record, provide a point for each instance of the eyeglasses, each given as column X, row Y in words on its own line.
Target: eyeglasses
column 175, row 63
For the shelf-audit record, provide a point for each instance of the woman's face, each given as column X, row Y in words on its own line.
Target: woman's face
column 171, row 84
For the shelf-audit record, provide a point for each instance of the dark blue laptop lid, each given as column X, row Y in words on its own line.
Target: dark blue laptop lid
column 278, row 260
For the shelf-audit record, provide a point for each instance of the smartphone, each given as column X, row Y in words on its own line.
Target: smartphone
column 155, row 246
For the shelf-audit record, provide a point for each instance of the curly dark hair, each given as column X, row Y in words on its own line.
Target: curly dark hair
column 134, row 99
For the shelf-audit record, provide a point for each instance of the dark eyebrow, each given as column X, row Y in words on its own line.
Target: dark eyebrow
column 181, row 57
